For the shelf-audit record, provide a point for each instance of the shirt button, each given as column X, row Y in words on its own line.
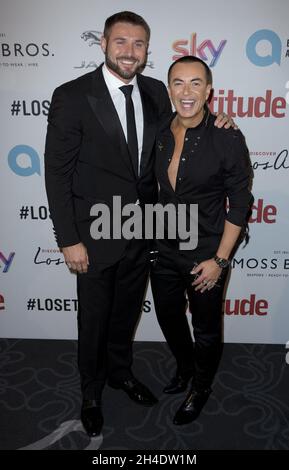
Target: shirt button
column 186, row 139
column 183, row 159
column 198, row 137
column 196, row 143
column 169, row 159
column 180, row 179
column 192, row 151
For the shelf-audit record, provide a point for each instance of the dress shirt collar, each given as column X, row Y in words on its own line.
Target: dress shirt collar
column 112, row 82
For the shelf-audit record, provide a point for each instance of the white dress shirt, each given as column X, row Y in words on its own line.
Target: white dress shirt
column 113, row 84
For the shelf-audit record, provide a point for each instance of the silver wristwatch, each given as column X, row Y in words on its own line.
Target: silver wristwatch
column 222, row 262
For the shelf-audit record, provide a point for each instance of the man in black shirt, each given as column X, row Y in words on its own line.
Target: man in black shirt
column 197, row 163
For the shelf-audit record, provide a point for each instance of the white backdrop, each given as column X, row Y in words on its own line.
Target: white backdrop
column 44, row 44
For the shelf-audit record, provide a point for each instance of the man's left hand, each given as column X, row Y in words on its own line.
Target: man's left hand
column 209, row 273
column 223, row 120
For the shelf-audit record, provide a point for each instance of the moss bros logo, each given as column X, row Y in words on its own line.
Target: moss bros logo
column 276, row 268
column 263, row 263
column 18, row 50
column 23, row 54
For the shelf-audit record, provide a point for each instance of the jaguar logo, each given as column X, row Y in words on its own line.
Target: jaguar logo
column 93, row 37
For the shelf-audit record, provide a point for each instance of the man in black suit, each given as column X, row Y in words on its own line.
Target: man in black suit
column 97, row 147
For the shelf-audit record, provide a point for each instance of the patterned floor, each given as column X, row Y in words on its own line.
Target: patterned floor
column 40, row 401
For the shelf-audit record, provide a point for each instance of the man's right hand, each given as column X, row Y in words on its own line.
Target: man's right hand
column 76, row 257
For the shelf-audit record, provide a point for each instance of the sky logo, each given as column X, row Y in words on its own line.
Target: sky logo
column 264, row 60
column 24, row 160
column 203, row 50
column 6, row 261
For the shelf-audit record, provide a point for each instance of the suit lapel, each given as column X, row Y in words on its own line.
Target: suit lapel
column 102, row 105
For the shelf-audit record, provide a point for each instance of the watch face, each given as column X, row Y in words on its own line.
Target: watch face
column 222, row 263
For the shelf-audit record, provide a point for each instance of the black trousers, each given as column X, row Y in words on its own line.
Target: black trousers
column 110, row 300
column 172, row 291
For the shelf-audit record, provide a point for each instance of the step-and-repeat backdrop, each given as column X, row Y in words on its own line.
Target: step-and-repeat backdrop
column 43, row 44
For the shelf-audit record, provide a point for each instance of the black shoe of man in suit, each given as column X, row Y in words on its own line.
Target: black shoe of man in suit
column 136, row 391
column 178, row 383
column 91, row 417
column 192, row 406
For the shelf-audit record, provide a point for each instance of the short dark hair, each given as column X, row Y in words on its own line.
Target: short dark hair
column 125, row 17
column 189, row 59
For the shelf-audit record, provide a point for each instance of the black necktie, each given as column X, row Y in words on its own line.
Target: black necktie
column 131, row 127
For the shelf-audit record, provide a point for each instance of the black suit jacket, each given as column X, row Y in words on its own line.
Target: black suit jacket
column 87, row 159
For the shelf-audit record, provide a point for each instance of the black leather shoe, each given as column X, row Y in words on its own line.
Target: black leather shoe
column 192, row 406
column 91, row 417
column 178, row 384
column 136, row 391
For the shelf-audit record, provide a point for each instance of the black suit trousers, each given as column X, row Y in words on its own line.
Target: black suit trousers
column 110, row 300
column 172, row 292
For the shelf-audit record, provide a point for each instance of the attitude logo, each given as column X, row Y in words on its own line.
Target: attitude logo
column 249, row 307
column 261, row 212
column 191, row 47
column 265, row 106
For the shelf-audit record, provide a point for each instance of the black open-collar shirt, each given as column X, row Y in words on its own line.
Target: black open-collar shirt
column 214, row 165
